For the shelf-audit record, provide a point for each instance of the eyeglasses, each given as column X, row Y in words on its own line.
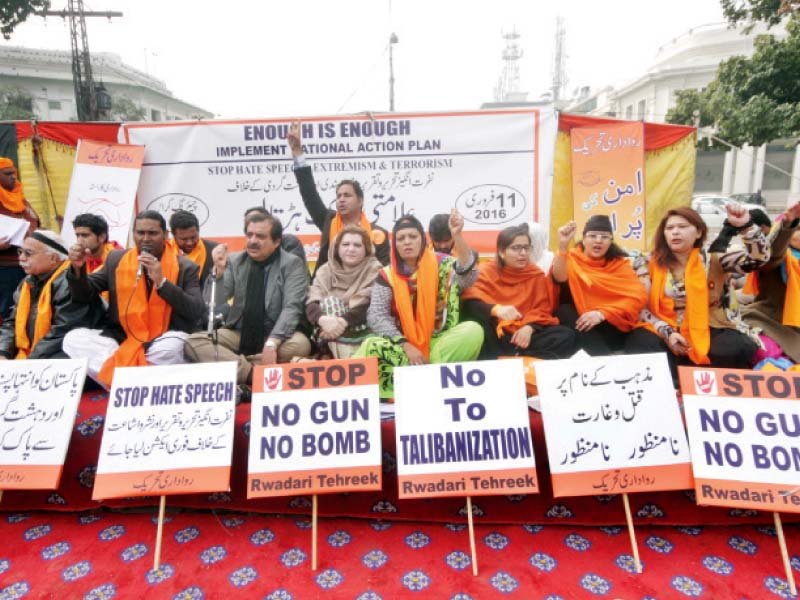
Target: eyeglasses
column 517, row 248
column 598, row 237
column 25, row 252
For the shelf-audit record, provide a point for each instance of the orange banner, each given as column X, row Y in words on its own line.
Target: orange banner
column 469, row 483
column 125, row 156
column 608, row 179
column 626, row 480
column 315, row 375
column 161, row 483
column 745, row 494
column 30, row 477
column 315, row 481
column 739, row 383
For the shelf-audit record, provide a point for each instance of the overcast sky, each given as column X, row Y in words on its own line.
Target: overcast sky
column 242, row 58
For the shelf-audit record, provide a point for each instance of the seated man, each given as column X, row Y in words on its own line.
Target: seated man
column 43, row 308
column 269, row 287
column 289, row 243
column 349, row 205
column 148, row 320
column 186, row 240
column 91, row 232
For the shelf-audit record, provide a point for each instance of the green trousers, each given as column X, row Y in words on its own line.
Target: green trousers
column 460, row 343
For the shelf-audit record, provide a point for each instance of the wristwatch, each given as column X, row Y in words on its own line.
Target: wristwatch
column 270, row 344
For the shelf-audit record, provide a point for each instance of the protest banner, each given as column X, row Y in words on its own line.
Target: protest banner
column 315, row 428
column 494, row 166
column 38, row 402
column 168, row 430
column 104, row 182
column 613, row 426
column 462, row 430
column 744, row 432
column 608, row 179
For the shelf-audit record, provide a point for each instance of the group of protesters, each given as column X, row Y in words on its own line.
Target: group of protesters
column 405, row 297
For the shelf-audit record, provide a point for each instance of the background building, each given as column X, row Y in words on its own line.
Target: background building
column 47, row 76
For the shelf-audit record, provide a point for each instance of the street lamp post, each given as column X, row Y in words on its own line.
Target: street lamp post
column 392, row 41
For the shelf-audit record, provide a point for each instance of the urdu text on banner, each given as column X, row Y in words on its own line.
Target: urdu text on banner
column 494, row 166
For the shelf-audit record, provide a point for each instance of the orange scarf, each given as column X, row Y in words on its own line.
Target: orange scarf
column 44, row 314
column 695, row 317
column 528, row 290
column 337, row 225
column 143, row 319
column 608, row 286
column 791, row 305
column 417, row 325
column 197, row 256
column 13, row 201
column 93, row 264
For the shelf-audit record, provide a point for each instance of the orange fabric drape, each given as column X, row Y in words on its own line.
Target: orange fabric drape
column 695, row 326
column 93, row 264
column 44, row 314
column 791, row 305
column 197, row 256
column 417, row 325
column 337, row 225
column 608, row 286
column 13, row 200
column 143, row 319
column 528, row 290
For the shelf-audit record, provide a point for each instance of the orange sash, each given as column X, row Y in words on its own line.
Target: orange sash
column 608, row 286
column 337, row 225
column 44, row 314
column 13, row 201
column 695, row 318
column 528, row 290
column 143, row 319
column 791, row 305
column 417, row 326
column 94, row 264
column 197, row 256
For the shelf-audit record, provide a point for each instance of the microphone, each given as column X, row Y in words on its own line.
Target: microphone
column 140, row 270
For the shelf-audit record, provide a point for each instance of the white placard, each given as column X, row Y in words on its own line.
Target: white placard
column 463, row 430
column 38, row 402
column 315, row 429
column 494, row 166
column 612, row 424
column 168, row 430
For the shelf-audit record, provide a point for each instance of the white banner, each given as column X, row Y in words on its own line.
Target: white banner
column 463, row 430
column 168, row 430
column 494, row 166
column 38, row 402
column 612, row 424
column 103, row 182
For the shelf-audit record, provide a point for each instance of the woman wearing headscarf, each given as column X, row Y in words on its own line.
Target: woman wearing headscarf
column 689, row 312
column 414, row 306
column 541, row 255
column 603, row 296
column 776, row 309
column 515, row 301
column 339, row 296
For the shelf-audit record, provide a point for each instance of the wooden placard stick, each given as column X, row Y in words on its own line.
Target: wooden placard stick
column 472, row 538
column 159, row 532
column 314, row 532
column 632, row 533
column 787, row 565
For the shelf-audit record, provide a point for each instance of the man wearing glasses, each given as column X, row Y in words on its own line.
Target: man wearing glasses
column 43, row 310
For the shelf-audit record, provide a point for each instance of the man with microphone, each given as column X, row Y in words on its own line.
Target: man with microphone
column 154, row 302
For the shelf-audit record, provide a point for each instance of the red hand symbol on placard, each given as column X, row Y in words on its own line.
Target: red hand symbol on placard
column 704, row 382
column 273, row 379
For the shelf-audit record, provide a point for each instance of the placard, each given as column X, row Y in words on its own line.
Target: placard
column 744, row 431
column 462, row 430
column 612, row 425
column 315, row 428
column 168, row 430
column 495, row 166
column 608, row 179
column 104, row 182
column 38, row 403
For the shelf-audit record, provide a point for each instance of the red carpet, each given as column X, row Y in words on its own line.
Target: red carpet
column 103, row 554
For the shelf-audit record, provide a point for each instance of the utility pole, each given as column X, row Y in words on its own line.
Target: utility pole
column 87, row 95
column 507, row 88
column 392, row 41
column 559, row 60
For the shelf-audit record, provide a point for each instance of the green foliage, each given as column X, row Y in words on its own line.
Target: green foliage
column 14, row 12
column 124, row 109
column 770, row 12
column 16, row 105
column 751, row 100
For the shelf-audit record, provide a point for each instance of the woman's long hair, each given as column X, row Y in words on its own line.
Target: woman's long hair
column 354, row 229
column 661, row 251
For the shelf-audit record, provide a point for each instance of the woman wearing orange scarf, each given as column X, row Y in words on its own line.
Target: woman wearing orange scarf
column 414, row 304
column 689, row 312
column 603, row 296
column 516, row 302
column 776, row 310
column 12, row 204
